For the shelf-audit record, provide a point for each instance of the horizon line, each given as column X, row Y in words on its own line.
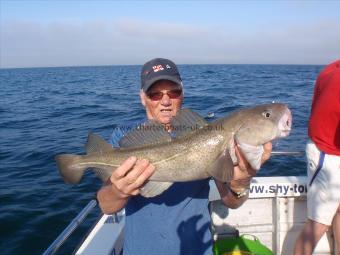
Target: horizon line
column 76, row 66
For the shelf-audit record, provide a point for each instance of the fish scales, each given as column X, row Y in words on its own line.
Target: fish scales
column 192, row 156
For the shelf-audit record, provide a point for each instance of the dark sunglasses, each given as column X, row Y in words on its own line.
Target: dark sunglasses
column 158, row 95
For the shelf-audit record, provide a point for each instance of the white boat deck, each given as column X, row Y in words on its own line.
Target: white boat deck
column 274, row 213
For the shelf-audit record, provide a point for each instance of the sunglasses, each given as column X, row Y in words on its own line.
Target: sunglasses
column 158, row 95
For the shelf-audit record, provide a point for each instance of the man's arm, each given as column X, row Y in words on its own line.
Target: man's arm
column 242, row 178
column 124, row 182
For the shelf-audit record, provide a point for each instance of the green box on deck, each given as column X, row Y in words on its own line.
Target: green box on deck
column 240, row 246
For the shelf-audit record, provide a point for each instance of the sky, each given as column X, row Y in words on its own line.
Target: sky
column 88, row 33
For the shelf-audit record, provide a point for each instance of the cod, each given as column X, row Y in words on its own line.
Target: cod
column 198, row 150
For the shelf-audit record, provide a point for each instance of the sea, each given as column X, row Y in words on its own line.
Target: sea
column 48, row 111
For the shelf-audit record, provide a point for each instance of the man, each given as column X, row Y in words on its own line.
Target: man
column 323, row 155
column 176, row 221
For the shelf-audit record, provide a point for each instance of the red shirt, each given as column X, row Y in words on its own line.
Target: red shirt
column 324, row 122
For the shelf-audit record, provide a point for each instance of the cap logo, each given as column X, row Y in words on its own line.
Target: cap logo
column 157, row 68
column 167, row 66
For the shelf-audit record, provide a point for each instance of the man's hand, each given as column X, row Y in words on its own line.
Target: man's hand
column 127, row 179
column 242, row 178
column 124, row 182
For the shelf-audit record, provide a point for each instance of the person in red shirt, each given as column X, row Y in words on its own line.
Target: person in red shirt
column 323, row 156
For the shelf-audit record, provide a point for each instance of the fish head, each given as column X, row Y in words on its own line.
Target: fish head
column 264, row 123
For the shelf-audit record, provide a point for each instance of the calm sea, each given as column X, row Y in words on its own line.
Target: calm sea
column 46, row 111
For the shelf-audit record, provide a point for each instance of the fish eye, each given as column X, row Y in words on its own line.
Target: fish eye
column 266, row 114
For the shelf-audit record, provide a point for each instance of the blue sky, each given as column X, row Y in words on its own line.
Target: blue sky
column 72, row 33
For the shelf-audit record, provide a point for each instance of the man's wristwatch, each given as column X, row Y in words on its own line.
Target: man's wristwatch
column 240, row 193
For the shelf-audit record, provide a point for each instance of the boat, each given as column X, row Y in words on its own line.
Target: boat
column 276, row 223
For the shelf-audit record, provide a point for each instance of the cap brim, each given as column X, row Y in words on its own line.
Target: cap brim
column 148, row 84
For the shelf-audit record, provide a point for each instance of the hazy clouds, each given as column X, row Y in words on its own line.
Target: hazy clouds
column 133, row 41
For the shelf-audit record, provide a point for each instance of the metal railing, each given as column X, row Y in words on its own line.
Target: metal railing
column 57, row 243
column 287, row 153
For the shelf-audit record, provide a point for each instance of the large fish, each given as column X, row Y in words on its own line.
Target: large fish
column 200, row 149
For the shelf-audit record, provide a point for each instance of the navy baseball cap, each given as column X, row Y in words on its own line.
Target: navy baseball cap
column 159, row 69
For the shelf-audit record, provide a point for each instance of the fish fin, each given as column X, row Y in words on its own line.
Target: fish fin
column 153, row 188
column 187, row 121
column 252, row 153
column 97, row 144
column 223, row 168
column 147, row 133
column 101, row 174
column 69, row 168
column 232, row 151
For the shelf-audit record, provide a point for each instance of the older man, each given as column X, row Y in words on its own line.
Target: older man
column 176, row 221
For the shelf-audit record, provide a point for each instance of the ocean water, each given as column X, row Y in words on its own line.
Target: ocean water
column 47, row 111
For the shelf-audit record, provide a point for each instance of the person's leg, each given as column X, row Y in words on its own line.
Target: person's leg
column 336, row 231
column 320, row 207
column 309, row 237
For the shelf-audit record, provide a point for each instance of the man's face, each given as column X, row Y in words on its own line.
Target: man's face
column 165, row 108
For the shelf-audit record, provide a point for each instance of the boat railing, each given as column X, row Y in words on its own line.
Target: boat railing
column 58, row 242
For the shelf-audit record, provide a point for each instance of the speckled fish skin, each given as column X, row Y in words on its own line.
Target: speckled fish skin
column 189, row 157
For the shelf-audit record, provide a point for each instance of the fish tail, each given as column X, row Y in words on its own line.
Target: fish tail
column 69, row 168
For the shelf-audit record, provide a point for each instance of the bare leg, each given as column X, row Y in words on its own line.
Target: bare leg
column 336, row 231
column 309, row 237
